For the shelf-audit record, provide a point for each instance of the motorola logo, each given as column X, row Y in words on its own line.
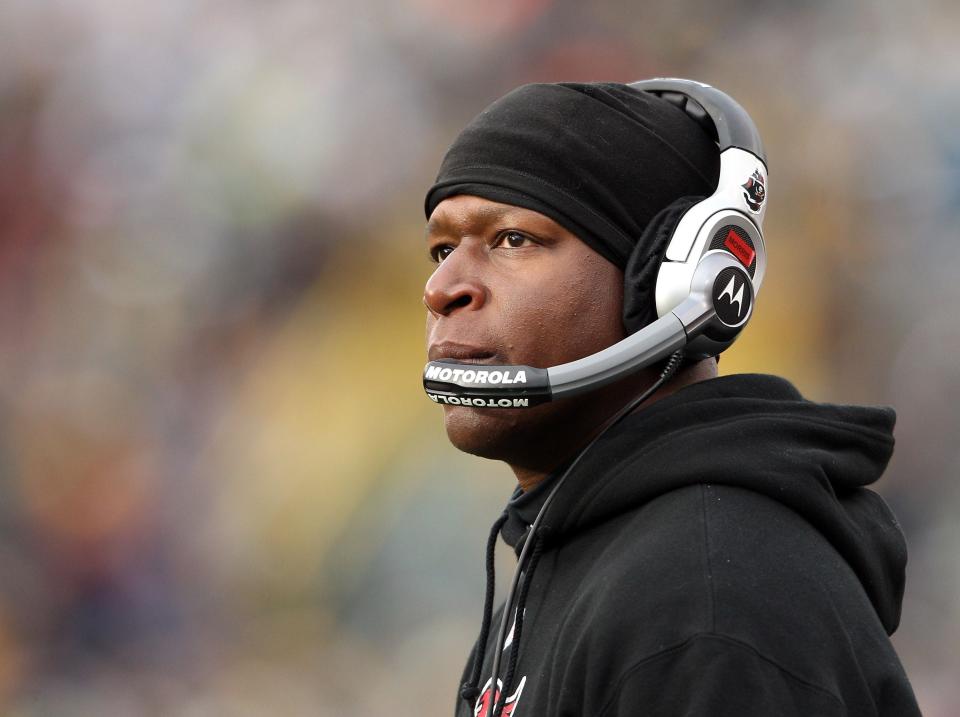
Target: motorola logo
column 732, row 294
column 734, row 298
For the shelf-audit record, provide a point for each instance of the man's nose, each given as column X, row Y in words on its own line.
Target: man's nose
column 452, row 288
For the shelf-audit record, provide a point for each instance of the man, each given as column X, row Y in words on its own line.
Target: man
column 713, row 553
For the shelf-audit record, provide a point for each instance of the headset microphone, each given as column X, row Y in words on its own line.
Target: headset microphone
column 712, row 268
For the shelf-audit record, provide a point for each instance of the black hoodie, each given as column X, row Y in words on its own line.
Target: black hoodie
column 715, row 553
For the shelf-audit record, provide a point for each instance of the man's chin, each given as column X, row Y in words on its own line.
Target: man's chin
column 486, row 432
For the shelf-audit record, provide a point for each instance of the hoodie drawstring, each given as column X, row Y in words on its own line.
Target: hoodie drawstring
column 470, row 690
column 538, row 539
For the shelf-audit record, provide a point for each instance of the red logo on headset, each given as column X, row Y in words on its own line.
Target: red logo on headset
column 739, row 248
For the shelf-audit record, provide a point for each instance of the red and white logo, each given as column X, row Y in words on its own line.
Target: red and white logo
column 485, row 700
column 754, row 191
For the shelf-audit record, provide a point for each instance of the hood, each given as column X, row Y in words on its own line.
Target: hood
column 750, row 431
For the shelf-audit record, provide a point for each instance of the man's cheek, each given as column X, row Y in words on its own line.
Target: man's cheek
column 530, row 336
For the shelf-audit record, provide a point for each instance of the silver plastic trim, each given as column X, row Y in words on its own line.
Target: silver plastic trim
column 664, row 336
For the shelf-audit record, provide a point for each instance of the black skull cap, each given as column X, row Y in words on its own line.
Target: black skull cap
column 601, row 159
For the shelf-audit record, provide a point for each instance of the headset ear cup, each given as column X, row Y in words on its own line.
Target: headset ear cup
column 640, row 275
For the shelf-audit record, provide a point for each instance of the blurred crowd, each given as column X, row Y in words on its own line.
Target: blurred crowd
column 222, row 491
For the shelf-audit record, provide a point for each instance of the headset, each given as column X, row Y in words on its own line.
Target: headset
column 710, row 274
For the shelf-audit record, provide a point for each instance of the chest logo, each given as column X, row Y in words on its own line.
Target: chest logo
column 485, row 700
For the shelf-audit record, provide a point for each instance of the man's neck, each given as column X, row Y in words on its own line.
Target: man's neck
column 529, row 477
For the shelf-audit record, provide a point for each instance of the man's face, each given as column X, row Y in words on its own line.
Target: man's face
column 514, row 287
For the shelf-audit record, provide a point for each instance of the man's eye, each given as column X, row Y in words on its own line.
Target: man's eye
column 512, row 239
column 441, row 252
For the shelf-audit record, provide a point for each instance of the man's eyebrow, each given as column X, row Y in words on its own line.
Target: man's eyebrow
column 479, row 218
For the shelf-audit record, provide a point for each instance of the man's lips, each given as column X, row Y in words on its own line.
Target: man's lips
column 462, row 353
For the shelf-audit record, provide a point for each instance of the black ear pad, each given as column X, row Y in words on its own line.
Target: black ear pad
column 640, row 276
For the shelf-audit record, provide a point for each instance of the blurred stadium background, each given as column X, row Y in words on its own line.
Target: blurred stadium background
column 222, row 491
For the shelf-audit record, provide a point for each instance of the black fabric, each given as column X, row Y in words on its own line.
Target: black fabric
column 640, row 274
column 717, row 553
column 601, row 159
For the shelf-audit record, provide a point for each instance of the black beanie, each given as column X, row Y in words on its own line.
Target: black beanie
column 600, row 159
